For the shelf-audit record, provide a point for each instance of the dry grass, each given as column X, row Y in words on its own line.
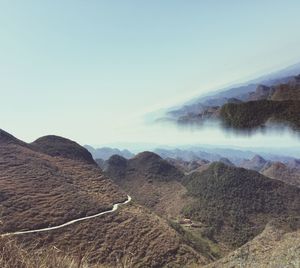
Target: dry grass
column 37, row 190
column 130, row 232
column 14, row 255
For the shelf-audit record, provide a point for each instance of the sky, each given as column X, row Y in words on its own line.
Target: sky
column 90, row 70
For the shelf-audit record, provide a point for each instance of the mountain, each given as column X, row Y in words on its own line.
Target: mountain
column 236, row 204
column 276, row 104
column 256, row 163
column 187, row 155
column 100, row 162
column 6, row 139
column 53, row 181
column 276, row 100
column 276, row 246
column 106, row 152
column 284, row 172
column 239, row 92
column 151, row 180
column 226, row 161
column 223, row 206
column 260, row 114
column 187, row 166
column 61, row 147
column 278, row 92
column 156, row 184
column 294, row 163
column 38, row 189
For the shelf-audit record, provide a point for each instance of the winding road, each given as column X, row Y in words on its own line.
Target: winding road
column 115, row 207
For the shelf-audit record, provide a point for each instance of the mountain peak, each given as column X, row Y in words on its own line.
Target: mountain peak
column 147, row 156
column 62, row 147
column 258, row 159
column 6, row 138
column 226, row 161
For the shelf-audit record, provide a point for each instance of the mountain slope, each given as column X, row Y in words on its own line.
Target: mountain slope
column 239, row 91
column 105, row 152
column 152, row 181
column 274, row 247
column 237, row 203
column 256, row 163
column 257, row 114
column 58, row 146
column 276, row 99
column 38, row 190
column 283, row 172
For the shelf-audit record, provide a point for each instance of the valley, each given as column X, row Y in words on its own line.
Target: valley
column 150, row 134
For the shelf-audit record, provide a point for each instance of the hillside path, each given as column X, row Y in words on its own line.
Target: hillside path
column 115, row 207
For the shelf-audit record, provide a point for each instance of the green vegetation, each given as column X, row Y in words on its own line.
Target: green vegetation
column 237, row 203
column 198, row 241
column 254, row 114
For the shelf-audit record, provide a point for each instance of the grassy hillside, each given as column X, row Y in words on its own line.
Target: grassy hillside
column 237, row 203
column 255, row 114
column 59, row 146
column 152, row 181
column 38, row 190
column 274, row 247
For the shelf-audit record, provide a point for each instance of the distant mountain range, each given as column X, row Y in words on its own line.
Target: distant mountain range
column 106, row 152
column 217, row 208
column 197, row 159
column 184, row 213
column 275, row 96
column 55, row 180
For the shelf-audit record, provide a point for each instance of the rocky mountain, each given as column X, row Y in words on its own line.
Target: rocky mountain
column 42, row 185
column 106, row 152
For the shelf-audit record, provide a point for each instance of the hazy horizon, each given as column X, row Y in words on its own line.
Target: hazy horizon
column 91, row 71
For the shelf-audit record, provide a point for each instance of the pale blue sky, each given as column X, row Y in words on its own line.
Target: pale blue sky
column 89, row 70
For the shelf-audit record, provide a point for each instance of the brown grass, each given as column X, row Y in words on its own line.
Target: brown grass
column 131, row 232
column 14, row 255
column 37, row 190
